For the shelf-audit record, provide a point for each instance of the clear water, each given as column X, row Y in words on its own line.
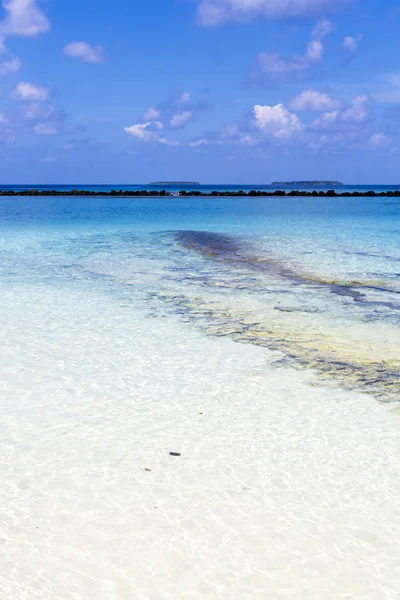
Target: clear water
column 318, row 280
column 258, row 338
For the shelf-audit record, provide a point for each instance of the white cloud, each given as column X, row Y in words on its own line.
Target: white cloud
column 152, row 114
column 276, row 68
column 315, row 51
column 144, row 131
column 322, row 29
column 167, row 142
column 314, row 100
column 380, row 140
column 248, row 140
column 326, row 121
column 35, row 110
column 180, row 119
column 273, row 69
column 23, row 18
column 357, row 112
column 45, row 129
column 350, row 43
column 201, row 142
column 354, row 115
column 31, row 91
column 3, row 119
column 277, row 121
column 350, row 47
column 10, row 66
column 174, row 113
column 212, row 13
column 85, row 52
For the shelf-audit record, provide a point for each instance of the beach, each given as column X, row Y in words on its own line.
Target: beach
column 147, row 453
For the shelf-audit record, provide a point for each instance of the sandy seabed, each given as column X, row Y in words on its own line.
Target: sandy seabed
column 284, row 489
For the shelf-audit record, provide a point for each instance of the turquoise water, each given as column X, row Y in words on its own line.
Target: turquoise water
column 317, row 280
column 235, row 332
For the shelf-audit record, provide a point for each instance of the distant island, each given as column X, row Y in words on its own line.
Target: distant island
column 169, row 183
column 306, row 183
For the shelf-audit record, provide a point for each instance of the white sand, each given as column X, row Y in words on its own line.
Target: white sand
column 283, row 490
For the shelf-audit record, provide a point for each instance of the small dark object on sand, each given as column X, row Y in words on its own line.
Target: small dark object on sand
column 147, row 469
column 174, row 454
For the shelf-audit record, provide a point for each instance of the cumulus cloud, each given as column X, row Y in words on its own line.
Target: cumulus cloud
column 350, row 47
column 10, row 66
column 272, row 69
column 149, row 131
column 85, row 52
column 176, row 112
column 322, row 29
column 380, row 140
column 358, row 112
column 151, row 114
column 167, row 142
column 31, row 91
column 44, row 118
column 180, row 119
column 23, row 18
column 200, row 142
column 277, row 121
column 213, row 13
column 350, row 44
column 263, row 124
column 144, row 131
column 38, row 111
column 313, row 100
column 266, row 126
column 354, row 115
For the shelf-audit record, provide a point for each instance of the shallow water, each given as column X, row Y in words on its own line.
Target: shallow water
column 239, row 333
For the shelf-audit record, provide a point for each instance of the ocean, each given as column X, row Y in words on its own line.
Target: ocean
column 258, row 339
column 204, row 188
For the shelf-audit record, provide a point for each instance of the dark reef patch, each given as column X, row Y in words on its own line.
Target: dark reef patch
column 225, row 248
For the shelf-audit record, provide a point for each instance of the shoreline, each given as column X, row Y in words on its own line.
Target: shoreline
column 197, row 193
column 279, row 484
column 146, row 452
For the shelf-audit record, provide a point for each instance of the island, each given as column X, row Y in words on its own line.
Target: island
column 307, row 184
column 173, row 183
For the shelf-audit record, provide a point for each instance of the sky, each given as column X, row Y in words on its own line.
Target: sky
column 215, row 91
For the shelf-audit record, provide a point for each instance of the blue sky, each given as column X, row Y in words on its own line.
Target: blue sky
column 217, row 91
